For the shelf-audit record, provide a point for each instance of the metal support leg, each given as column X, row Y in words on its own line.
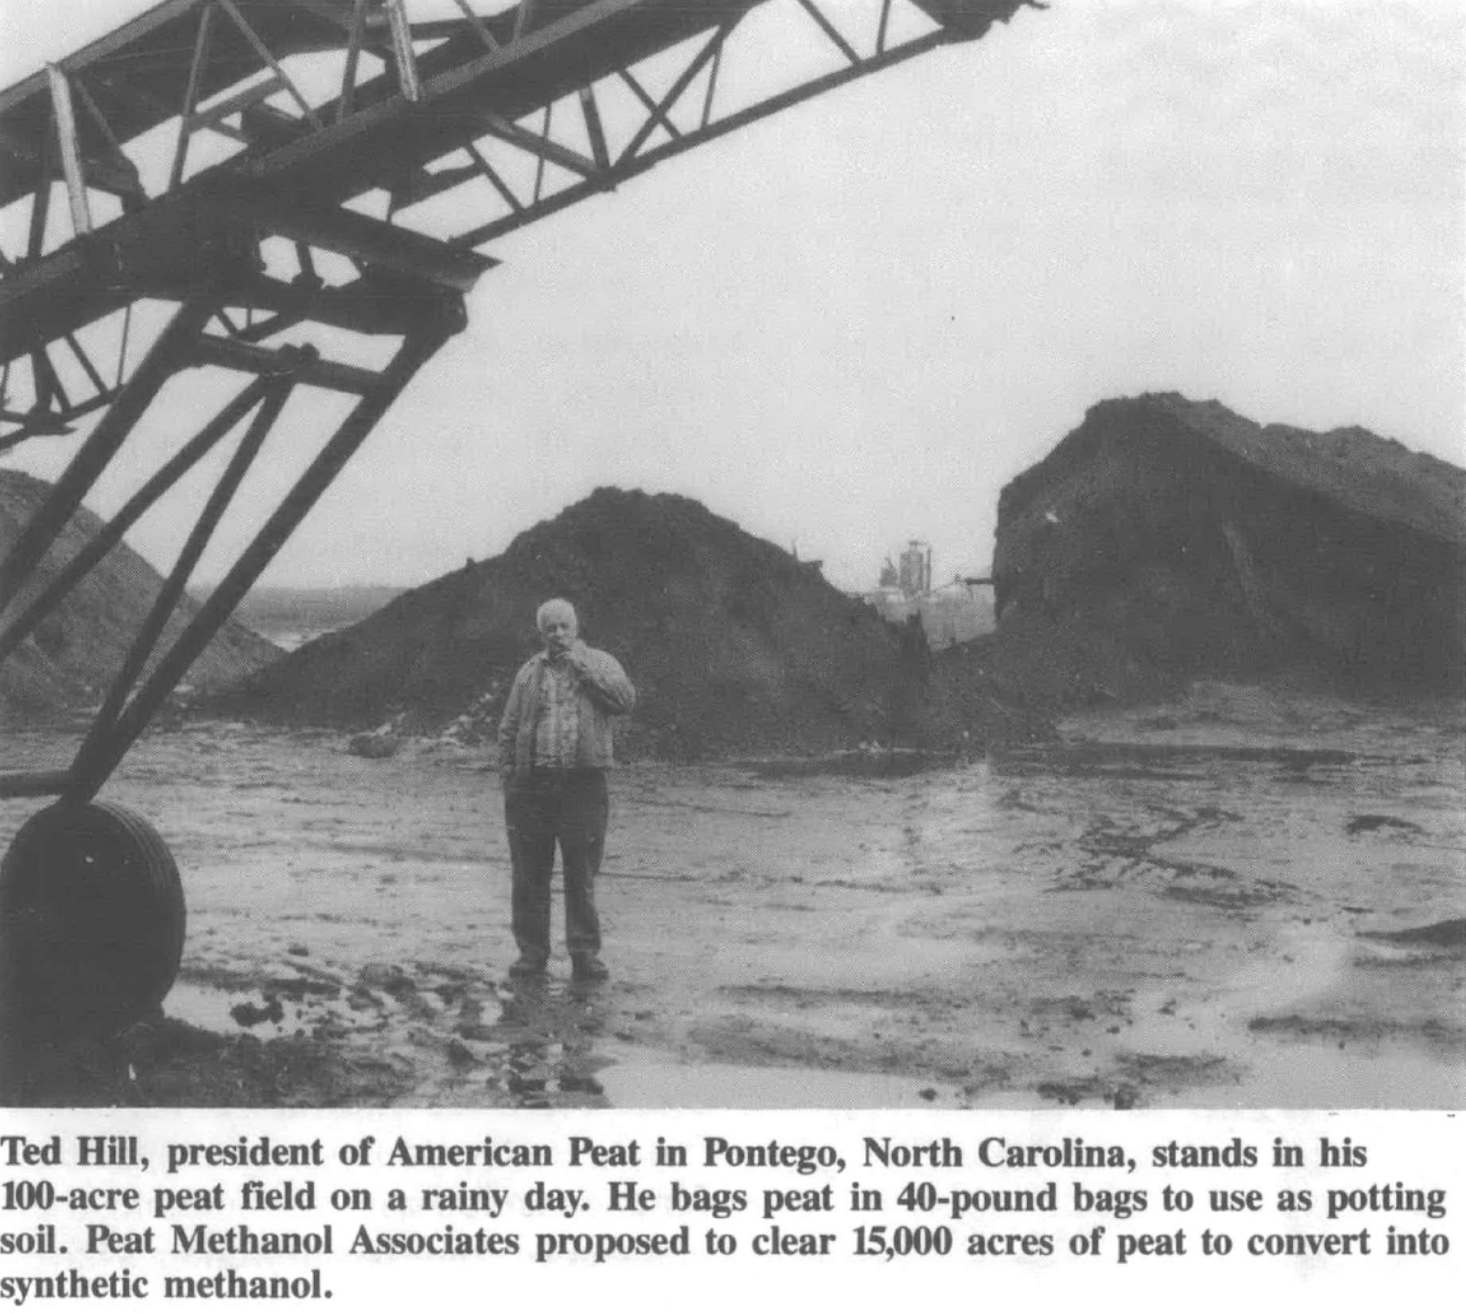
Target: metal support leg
column 177, row 581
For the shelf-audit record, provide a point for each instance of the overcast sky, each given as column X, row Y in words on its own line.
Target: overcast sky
column 853, row 323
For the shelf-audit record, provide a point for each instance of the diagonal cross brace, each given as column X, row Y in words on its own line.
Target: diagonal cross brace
column 674, row 94
column 166, row 355
column 111, row 533
column 496, row 125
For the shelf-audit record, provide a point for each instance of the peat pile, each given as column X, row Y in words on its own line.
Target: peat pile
column 70, row 659
column 734, row 646
column 1166, row 538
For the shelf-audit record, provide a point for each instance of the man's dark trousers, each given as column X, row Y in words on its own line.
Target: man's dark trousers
column 543, row 805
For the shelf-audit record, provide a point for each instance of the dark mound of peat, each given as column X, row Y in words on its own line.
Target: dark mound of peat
column 1165, row 539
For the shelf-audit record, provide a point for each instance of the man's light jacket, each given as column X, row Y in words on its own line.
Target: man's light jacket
column 604, row 694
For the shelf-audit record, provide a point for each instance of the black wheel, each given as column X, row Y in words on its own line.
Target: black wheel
column 91, row 922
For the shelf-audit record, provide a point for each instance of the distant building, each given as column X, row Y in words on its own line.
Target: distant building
column 957, row 612
column 915, row 577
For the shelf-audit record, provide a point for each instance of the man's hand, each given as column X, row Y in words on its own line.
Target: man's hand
column 559, row 632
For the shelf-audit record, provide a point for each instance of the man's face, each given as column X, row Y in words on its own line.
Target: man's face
column 558, row 630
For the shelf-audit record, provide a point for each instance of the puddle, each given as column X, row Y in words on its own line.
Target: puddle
column 641, row 1084
column 1294, row 1071
column 1321, row 1075
column 266, row 1014
column 212, row 1010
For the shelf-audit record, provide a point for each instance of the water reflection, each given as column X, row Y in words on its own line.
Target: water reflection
column 550, row 1029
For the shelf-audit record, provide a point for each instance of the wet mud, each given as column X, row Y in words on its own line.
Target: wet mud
column 1240, row 899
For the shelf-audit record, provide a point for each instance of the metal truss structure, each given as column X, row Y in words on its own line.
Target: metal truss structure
column 269, row 166
column 313, row 143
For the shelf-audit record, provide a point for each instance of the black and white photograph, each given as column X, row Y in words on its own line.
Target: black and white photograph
column 733, row 554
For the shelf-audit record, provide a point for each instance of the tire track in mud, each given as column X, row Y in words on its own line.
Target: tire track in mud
column 1121, row 852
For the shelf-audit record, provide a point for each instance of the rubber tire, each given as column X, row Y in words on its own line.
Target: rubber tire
column 92, row 922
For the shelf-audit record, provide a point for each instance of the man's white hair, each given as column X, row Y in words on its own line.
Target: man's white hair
column 555, row 606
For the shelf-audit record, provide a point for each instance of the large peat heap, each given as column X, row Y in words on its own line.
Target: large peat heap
column 1166, row 538
column 73, row 655
column 734, row 645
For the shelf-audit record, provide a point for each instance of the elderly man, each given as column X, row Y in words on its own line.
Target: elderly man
column 554, row 750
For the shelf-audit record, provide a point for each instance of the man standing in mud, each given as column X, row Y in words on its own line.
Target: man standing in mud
column 555, row 746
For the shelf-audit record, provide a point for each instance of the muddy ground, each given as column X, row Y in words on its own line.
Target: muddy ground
column 1243, row 899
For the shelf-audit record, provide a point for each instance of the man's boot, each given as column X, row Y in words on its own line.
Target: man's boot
column 587, row 967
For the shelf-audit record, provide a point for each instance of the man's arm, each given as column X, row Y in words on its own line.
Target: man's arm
column 604, row 680
column 509, row 722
